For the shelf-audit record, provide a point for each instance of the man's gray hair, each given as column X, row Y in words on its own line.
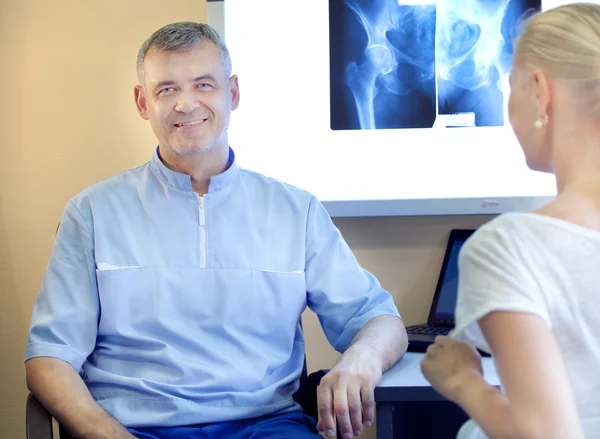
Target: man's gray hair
column 182, row 37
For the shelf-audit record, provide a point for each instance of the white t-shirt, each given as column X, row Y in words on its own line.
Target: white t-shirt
column 544, row 266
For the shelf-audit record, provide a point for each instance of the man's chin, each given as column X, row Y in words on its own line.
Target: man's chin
column 192, row 150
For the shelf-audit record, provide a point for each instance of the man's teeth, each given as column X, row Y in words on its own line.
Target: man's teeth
column 189, row 123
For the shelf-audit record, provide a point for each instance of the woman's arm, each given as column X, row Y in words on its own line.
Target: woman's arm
column 538, row 401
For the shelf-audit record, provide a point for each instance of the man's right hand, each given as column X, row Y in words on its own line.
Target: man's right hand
column 60, row 389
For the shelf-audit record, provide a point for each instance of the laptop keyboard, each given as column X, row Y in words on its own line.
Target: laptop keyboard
column 429, row 330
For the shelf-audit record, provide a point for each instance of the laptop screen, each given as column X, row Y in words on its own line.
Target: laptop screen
column 448, row 287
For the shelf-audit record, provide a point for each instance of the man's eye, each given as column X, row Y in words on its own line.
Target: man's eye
column 204, row 85
column 166, row 90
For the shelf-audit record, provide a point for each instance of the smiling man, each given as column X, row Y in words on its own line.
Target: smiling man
column 171, row 303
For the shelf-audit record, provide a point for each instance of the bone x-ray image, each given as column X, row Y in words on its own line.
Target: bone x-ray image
column 420, row 64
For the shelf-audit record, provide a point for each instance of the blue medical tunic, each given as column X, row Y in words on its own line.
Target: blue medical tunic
column 178, row 309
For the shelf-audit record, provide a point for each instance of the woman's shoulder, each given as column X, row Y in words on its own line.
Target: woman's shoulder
column 502, row 229
column 550, row 228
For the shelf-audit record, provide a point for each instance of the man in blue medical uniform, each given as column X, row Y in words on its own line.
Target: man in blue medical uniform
column 171, row 301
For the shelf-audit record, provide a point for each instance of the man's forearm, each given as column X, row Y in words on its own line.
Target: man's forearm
column 63, row 393
column 384, row 336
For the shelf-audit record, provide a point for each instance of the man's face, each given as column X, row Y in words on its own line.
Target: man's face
column 188, row 99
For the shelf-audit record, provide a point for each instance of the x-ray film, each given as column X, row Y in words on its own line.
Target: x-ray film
column 422, row 64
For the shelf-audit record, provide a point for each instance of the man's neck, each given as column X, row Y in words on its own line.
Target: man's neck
column 200, row 167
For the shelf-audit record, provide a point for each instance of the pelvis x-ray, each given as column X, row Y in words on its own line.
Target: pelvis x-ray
column 420, row 64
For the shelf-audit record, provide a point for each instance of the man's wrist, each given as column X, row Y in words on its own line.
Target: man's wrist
column 105, row 427
column 116, row 434
column 365, row 354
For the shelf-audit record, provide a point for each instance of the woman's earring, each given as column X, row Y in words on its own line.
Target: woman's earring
column 541, row 122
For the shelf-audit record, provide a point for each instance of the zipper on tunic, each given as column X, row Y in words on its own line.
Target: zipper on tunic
column 202, row 234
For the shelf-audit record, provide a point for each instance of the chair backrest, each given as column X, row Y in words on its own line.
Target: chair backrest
column 37, row 420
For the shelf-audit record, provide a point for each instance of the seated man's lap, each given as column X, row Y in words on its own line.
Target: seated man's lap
column 289, row 425
column 284, row 426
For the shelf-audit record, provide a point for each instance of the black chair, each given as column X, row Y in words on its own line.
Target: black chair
column 39, row 421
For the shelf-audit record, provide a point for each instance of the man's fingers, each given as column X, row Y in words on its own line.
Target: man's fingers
column 325, row 403
column 355, row 408
column 340, row 408
column 346, row 398
column 367, row 396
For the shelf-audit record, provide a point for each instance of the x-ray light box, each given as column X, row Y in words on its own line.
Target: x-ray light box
column 383, row 107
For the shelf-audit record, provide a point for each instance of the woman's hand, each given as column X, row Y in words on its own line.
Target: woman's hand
column 449, row 364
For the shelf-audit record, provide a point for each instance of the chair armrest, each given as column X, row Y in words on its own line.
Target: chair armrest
column 307, row 393
column 38, row 420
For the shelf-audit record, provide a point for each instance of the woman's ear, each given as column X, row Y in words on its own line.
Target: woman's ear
column 543, row 93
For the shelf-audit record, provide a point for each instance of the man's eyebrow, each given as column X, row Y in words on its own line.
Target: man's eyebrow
column 205, row 77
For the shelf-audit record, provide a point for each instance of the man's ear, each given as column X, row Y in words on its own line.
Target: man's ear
column 140, row 101
column 543, row 93
column 234, row 87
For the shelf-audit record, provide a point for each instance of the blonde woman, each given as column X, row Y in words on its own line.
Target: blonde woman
column 529, row 289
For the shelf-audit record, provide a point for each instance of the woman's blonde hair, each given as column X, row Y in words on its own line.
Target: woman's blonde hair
column 564, row 42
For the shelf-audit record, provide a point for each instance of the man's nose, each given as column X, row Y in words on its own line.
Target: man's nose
column 187, row 102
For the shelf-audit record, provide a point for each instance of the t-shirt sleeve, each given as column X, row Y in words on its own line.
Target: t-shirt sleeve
column 65, row 315
column 494, row 275
column 344, row 295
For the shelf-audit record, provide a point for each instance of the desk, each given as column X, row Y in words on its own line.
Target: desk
column 406, row 401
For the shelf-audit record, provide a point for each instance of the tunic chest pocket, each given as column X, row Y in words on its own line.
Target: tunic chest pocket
column 128, row 299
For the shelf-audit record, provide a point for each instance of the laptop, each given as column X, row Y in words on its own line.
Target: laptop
column 441, row 313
